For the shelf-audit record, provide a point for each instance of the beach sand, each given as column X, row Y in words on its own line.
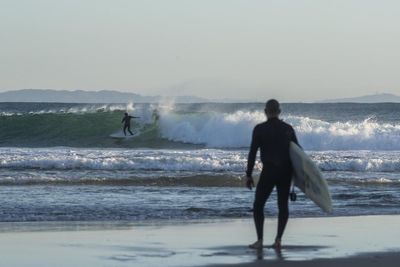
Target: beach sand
column 328, row 241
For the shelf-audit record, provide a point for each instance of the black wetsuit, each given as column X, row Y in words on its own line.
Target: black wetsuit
column 273, row 138
column 127, row 124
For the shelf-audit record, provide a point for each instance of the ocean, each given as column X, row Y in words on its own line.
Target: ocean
column 59, row 163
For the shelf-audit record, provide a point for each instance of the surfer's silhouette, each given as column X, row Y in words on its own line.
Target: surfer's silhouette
column 273, row 138
column 155, row 115
column 127, row 123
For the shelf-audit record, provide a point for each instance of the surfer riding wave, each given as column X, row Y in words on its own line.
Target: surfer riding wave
column 127, row 123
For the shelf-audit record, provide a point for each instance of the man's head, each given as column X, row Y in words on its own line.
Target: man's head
column 126, row 114
column 272, row 108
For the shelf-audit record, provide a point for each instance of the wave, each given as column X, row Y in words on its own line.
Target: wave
column 206, row 160
column 234, row 131
column 170, row 179
column 91, row 125
column 365, row 135
column 59, row 108
column 195, row 161
column 82, row 126
column 358, row 161
column 161, row 181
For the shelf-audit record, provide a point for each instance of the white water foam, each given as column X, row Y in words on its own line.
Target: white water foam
column 364, row 135
column 233, row 130
column 203, row 160
column 210, row 129
column 166, row 160
column 94, row 108
column 358, row 161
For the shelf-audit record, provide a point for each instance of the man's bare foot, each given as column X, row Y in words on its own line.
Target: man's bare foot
column 277, row 245
column 257, row 245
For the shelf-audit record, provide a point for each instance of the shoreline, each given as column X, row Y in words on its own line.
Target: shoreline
column 319, row 241
column 373, row 259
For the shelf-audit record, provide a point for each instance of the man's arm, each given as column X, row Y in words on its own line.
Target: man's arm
column 252, row 153
column 251, row 159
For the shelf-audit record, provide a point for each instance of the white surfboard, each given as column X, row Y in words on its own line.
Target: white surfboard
column 120, row 135
column 309, row 179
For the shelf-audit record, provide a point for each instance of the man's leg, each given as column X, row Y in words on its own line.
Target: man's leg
column 125, row 126
column 283, row 189
column 263, row 191
column 129, row 129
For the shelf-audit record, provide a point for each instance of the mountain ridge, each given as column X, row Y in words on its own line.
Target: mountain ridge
column 373, row 98
column 82, row 96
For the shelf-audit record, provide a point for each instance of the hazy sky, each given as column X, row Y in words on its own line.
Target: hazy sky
column 294, row 50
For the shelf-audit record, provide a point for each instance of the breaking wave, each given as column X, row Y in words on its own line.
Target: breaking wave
column 194, row 161
column 92, row 125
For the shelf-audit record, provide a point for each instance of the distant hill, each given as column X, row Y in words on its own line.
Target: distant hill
column 80, row 96
column 376, row 98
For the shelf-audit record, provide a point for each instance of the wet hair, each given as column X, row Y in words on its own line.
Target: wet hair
column 272, row 107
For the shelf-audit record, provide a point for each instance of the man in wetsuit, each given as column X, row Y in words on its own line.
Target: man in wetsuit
column 127, row 123
column 273, row 138
column 155, row 115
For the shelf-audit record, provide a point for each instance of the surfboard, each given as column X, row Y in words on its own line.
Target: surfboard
column 120, row 135
column 308, row 178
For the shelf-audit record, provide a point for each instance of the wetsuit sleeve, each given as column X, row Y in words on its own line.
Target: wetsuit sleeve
column 123, row 119
column 255, row 144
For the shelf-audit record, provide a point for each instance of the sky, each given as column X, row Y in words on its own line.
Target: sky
column 297, row 50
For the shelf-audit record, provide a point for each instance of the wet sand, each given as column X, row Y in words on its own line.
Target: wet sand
column 389, row 259
column 330, row 241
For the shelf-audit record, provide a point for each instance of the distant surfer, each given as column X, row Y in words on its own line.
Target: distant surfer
column 155, row 115
column 127, row 123
column 273, row 138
